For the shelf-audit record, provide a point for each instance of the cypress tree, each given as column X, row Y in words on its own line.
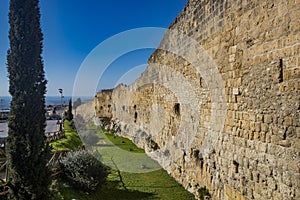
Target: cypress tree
column 26, row 148
column 70, row 114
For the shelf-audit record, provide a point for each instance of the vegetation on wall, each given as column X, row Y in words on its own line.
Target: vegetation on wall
column 204, row 193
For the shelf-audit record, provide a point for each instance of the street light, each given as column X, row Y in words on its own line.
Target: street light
column 61, row 96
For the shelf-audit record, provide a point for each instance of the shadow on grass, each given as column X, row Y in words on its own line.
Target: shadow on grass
column 110, row 190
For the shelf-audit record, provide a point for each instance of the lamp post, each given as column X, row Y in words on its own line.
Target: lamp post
column 61, row 96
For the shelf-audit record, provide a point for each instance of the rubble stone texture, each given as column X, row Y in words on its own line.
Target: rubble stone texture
column 239, row 137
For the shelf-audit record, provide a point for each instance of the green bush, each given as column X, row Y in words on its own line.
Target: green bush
column 204, row 193
column 83, row 170
column 72, row 124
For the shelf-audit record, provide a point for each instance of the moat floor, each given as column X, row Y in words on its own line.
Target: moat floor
column 152, row 185
column 155, row 184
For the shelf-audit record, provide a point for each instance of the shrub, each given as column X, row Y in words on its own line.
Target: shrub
column 204, row 193
column 72, row 124
column 83, row 170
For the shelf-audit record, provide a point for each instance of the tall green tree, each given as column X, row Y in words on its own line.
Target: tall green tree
column 69, row 113
column 26, row 147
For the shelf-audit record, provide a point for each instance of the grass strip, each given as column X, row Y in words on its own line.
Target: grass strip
column 71, row 140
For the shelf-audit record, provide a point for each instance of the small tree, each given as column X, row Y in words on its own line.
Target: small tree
column 69, row 113
column 77, row 103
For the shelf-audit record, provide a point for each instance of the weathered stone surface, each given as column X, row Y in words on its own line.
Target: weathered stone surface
column 103, row 103
column 174, row 110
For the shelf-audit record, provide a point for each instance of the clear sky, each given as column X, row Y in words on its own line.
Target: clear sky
column 73, row 28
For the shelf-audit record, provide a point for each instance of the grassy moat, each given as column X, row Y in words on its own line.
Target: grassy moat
column 119, row 184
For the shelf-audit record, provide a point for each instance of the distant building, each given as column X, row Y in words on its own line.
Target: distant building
column 4, row 114
column 55, row 112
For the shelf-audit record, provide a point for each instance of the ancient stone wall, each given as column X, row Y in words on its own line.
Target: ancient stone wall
column 103, row 103
column 221, row 102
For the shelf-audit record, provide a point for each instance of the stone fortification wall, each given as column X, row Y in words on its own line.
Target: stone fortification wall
column 103, row 103
column 221, row 108
column 85, row 111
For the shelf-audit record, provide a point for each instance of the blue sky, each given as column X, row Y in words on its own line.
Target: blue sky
column 73, row 28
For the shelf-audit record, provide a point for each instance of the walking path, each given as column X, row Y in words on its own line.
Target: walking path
column 115, row 157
